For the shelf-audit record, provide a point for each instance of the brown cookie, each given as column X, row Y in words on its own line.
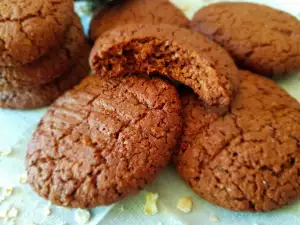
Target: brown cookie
column 136, row 11
column 178, row 53
column 50, row 66
column 247, row 159
column 42, row 95
column 262, row 39
column 104, row 140
column 30, row 28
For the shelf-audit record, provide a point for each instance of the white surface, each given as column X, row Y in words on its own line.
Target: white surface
column 15, row 131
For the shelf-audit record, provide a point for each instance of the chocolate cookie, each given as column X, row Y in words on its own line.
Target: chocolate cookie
column 104, row 140
column 30, row 28
column 247, row 159
column 136, row 11
column 178, row 53
column 42, row 95
column 50, row 66
column 262, row 39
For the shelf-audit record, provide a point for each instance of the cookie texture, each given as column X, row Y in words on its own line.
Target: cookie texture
column 247, row 159
column 50, row 66
column 136, row 11
column 178, row 53
column 43, row 95
column 267, row 43
column 104, row 140
column 30, row 28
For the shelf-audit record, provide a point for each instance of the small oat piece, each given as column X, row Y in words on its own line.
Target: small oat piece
column 185, row 204
column 122, row 208
column 8, row 192
column 12, row 213
column 5, row 152
column 23, row 178
column 214, row 219
column 47, row 211
column 150, row 207
column 82, row 216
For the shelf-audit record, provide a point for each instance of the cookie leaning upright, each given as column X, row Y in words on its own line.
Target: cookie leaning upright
column 260, row 38
column 136, row 11
column 177, row 53
column 30, row 28
column 247, row 159
column 104, row 140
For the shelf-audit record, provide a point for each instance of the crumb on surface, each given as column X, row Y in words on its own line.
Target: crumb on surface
column 82, row 216
column 150, row 207
column 185, row 204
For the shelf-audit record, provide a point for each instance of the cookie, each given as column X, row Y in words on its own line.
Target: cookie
column 178, row 53
column 247, row 159
column 136, row 11
column 104, row 140
column 43, row 95
column 50, row 66
column 267, row 43
column 31, row 28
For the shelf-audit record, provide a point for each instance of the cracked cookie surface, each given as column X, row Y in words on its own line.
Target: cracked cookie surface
column 136, row 11
column 177, row 53
column 30, row 28
column 104, row 140
column 261, row 39
column 45, row 94
column 50, row 66
column 247, row 159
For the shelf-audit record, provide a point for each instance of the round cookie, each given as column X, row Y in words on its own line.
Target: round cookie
column 30, row 28
column 104, row 140
column 42, row 95
column 178, row 53
column 135, row 11
column 247, row 159
column 267, row 43
column 50, row 66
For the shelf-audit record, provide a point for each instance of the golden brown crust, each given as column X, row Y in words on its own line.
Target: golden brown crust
column 261, row 39
column 247, row 159
column 45, row 94
column 30, row 28
column 50, row 66
column 136, row 11
column 104, row 140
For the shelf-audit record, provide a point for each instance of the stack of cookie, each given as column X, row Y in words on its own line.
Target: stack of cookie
column 239, row 144
column 43, row 53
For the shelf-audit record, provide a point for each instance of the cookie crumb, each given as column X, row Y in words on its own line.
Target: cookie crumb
column 23, row 178
column 82, row 216
column 8, row 192
column 122, row 208
column 150, row 207
column 47, row 211
column 12, row 213
column 185, row 8
column 6, row 152
column 185, row 204
column 213, row 218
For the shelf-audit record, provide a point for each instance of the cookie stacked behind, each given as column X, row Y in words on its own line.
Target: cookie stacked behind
column 45, row 57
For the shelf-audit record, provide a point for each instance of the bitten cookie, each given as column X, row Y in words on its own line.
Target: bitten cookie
column 104, row 140
column 178, row 53
column 30, row 28
column 50, row 66
column 247, row 159
column 43, row 95
column 262, row 39
column 136, row 11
